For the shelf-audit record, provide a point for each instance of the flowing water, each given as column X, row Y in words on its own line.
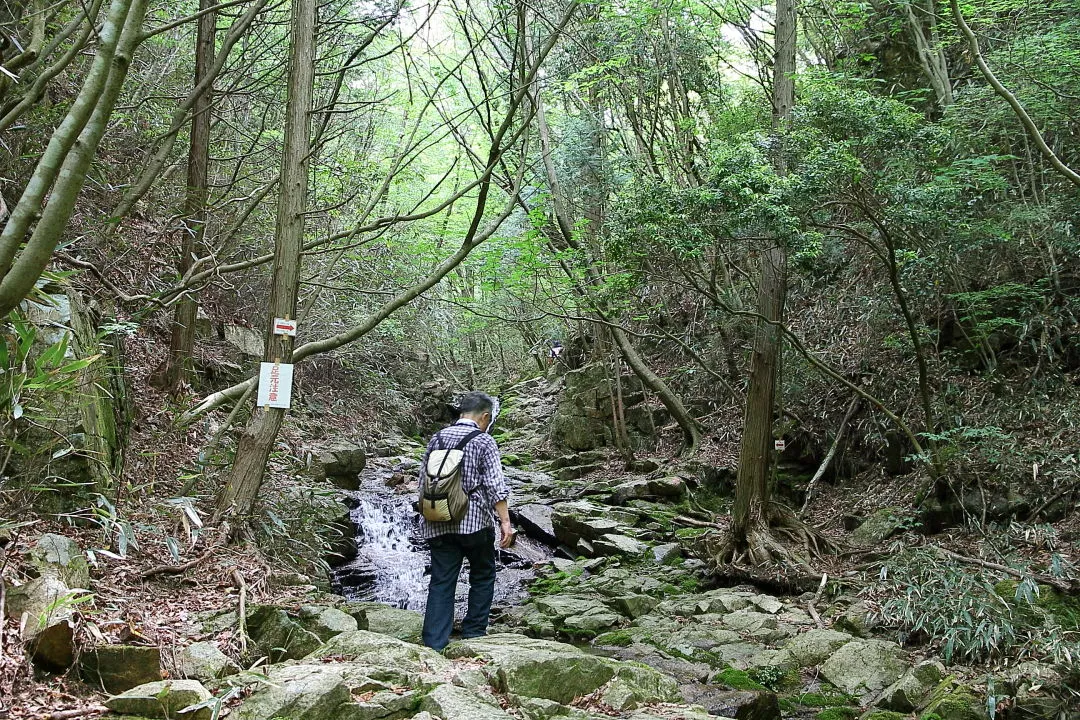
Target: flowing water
column 392, row 563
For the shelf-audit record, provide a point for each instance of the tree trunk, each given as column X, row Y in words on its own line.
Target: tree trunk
column 240, row 492
column 178, row 370
column 753, row 489
column 49, row 196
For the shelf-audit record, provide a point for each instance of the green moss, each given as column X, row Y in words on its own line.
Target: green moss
column 951, row 701
column 885, row 715
column 737, row 680
column 690, row 532
column 771, row 676
column 837, row 713
column 930, row 716
column 689, row 584
column 618, row 638
column 1064, row 608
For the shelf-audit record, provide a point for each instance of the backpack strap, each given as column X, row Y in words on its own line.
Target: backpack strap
column 459, row 446
column 467, row 439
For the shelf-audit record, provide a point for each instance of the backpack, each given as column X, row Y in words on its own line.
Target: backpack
column 442, row 497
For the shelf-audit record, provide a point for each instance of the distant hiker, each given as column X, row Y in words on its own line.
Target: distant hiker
column 556, row 351
column 461, row 482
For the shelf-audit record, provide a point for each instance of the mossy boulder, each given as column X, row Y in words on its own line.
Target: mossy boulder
column 865, row 667
column 954, row 701
column 878, row 527
column 62, row 558
column 117, row 668
column 163, row 699
column 278, row 636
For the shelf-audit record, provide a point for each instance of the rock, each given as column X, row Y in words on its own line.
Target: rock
column 375, row 649
column 738, row 704
column 644, row 465
column 879, row 526
column 62, row 558
column 47, row 604
column 668, row 488
column 633, row 606
column 404, row 625
column 953, row 701
column 117, row 668
column 574, row 521
column 278, row 636
column 247, row 341
column 576, row 472
column 358, row 612
column 577, row 615
column 204, row 661
column 748, row 621
column 537, row 668
column 304, row 692
column 767, row 604
column 857, row 619
column 614, row 544
column 535, row 519
column 163, row 699
column 326, row 622
column 865, row 667
column 665, row 554
column 449, row 701
column 910, row 692
column 341, row 464
column 814, row 647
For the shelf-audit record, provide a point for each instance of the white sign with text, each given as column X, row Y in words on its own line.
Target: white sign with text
column 275, row 385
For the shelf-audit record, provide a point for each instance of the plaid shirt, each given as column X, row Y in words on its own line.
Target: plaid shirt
column 481, row 466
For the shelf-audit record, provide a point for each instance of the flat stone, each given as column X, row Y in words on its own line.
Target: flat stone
column 561, row 607
column 298, row 692
column 749, row 621
column 205, row 661
column 163, row 699
column 450, row 701
column 633, row 606
column 117, row 668
column 376, row 649
column 814, row 647
column 639, row 489
column 581, row 520
column 614, row 544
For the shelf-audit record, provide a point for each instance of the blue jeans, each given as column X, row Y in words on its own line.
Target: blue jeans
column 447, row 554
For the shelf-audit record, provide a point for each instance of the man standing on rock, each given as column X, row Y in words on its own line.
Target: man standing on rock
column 473, row 536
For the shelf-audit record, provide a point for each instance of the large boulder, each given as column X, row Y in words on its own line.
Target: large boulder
column 535, row 519
column 577, row 615
column 117, row 668
column 302, row 692
column 404, row 625
column 278, row 636
column 865, row 667
column 537, row 668
column 374, row 649
column 738, row 704
column 878, row 527
column 341, row 464
column 62, row 558
column 163, row 699
column 814, row 647
column 912, row 690
column 326, row 622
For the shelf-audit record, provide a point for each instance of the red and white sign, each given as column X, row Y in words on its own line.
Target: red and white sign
column 275, row 385
column 284, row 327
column 779, row 445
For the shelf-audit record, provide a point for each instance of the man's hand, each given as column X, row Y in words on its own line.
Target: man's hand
column 507, row 534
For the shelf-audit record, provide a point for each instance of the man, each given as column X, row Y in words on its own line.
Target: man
column 473, row 536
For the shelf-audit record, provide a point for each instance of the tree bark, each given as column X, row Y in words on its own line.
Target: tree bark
column 240, row 492
column 753, row 488
column 182, row 340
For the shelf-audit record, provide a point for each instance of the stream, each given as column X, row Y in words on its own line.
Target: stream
column 392, row 562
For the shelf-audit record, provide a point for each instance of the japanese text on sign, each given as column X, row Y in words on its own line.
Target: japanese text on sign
column 275, row 385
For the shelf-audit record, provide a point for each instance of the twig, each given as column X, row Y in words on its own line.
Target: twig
column 696, row 523
column 76, row 713
column 176, row 569
column 1054, row 498
column 832, row 451
column 241, row 612
column 1061, row 585
column 813, row 601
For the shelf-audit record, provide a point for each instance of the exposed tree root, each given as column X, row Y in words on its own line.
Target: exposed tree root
column 775, row 554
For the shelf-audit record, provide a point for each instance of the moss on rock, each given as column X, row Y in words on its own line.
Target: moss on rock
column 737, row 680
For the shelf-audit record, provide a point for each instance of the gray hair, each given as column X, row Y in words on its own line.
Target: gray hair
column 475, row 402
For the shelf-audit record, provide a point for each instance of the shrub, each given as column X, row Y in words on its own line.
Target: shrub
column 960, row 609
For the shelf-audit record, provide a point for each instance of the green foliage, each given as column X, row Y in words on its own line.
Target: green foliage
column 554, row 583
column 837, row 713
column 618, row 638
column 773, row 677
column 961, row 611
